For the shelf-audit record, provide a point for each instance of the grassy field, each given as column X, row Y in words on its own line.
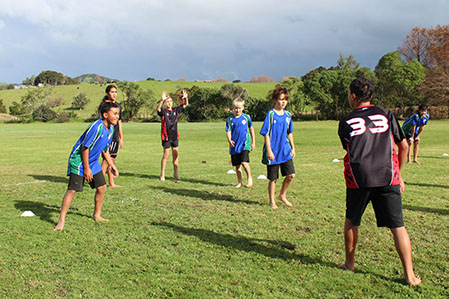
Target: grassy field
column 202, row 238
column 95, row 92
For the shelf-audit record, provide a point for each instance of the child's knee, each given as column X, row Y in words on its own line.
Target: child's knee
column 291, row 176
column 101, row 189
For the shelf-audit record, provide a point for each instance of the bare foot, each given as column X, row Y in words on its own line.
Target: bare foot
column 115, row 186
column 238, row 185
column 99, row 218
column 273, row 205
column 416, row 161
column 416, row 280
column 176, row 176
column 345, row 267
column 162, row 178
column 59, row 227
column 285, row 201
column 249, row 183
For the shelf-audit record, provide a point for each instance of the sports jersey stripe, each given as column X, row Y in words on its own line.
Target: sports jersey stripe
column 78, row 149
column 248, row 136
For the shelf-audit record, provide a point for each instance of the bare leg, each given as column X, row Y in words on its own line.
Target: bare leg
column 271, row 192
column 175, row 153
column 238, row 171
column 404, row 249
column 98, row 201
column 351, row 236
column 409, row 152
column 285, row 185
column 248, row 174
column 415, row 152
column 111, row 177
column 66, row 201
column 166, row 152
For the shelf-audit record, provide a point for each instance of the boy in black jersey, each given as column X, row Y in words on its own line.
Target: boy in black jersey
column 169, row 130
column 372, row 172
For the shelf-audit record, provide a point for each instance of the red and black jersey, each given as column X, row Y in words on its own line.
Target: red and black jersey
column 369, row 135
column 169, row 126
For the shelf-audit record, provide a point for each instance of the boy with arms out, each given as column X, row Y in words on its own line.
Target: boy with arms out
column 84, row 165
column 412, row 127
column 241, row 138
column 169, row 130
column 279, row 148
column 372, row 173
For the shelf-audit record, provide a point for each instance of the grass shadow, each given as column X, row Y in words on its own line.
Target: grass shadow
column 427, row 185
column 434, row 157
column 43, row 210
column 443, row 212
column 50, row 178
column 190, row 180
column 278, row 249
column 205, row 195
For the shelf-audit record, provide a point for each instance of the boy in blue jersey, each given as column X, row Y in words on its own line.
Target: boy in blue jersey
column 412, row 127
column 241, row 138
column 279, row 148
column 84, row 165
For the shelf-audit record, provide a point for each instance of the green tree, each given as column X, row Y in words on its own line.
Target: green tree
column 2, row 107
column 44, row 113
column 17, row 109
column 80, row 101
column 231, row 92
column 398, row 81
column 347, row 62
column 49, row 78
column 35, row 97
column 134, row 99
column 298, row 99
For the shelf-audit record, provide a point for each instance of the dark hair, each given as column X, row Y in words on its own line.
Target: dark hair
column 278, row 90
column 362, row 88
column 107, row 90
column 423, row 107
column 106, row 106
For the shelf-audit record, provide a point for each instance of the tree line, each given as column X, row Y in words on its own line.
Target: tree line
column 417, row 72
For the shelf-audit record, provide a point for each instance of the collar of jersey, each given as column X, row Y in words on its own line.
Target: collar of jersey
column 361, row 106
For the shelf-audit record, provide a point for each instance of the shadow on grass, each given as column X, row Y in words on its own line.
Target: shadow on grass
column 50, row 178
column 433, row 157
column 278, row 249
column 427, row 210
column 427, row 185
column 205, row 195
column 43, row 210
column 190, row 180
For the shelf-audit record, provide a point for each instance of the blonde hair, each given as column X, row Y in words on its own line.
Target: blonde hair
column 238, row 101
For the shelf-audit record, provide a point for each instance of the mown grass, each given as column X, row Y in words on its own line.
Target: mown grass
column 95, row 93
column 200, row 237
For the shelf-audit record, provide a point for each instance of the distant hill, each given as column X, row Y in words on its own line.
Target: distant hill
column 94, row 78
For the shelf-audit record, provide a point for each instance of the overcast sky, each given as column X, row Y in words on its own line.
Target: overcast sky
column 202, row 39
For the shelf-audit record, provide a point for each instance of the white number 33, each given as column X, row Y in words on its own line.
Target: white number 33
column 358, row 125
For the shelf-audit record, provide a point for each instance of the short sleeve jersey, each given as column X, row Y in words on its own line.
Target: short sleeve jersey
column 412, row 121
column 239, row 127
column 277, row 127
column 369, row 135
column 116, row 136
column 169, row 123
column 97, row 138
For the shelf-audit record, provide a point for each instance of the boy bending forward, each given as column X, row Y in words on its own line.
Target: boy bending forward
column 84, row 165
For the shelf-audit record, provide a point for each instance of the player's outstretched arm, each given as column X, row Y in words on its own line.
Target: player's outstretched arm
column 111, row 164
column 87, row 171
column 163, row 98
column 185, row 96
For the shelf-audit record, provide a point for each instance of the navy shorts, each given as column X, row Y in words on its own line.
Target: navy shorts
column 113, row 148
column 169, row 144
column 286, row 169
column 76, row 182
column 239, row 158
column 387, row 205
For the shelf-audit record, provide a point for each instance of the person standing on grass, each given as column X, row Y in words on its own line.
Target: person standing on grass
column 412, row 128
column 373, row 173
column 279, row 148
column 241, row 138
column 169, row 130
column 84, row 165
column 117, row 138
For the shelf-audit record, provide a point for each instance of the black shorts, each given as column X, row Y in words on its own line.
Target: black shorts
column 113, row 148
column 409, row 139
column 387, row 205
column 239, row 158
column 76, row 182
column 286, row 169
column 172, row 143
